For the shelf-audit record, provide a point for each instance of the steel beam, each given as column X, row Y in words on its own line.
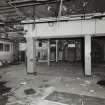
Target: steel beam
column 33, row 2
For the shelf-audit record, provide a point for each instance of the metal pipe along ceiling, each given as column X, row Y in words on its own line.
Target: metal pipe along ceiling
column 33, row 2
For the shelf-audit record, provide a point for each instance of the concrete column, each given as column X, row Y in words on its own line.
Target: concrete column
column 104, row 51
column 31, row 58
column 87, row 55
column 48, row 52
column 56, row 50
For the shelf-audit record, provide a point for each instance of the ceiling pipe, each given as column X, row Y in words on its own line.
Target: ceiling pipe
column 61, row 19
column 6, row 8
column 33, row 2
column 30, row 3
column 98, row 17
column 36, row 1
column 48, row 21
column 17, row 10
column 7, row 12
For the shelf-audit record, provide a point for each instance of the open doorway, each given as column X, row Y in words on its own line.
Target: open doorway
column 70, row 56
column 98, row 55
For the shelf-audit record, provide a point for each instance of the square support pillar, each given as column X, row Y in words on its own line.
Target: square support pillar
column 48, row 52
column 56, row 50
column 31, row 55
column 88, row 55
column 104, row 52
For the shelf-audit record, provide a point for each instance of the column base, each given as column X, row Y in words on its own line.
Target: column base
column 35, row 73
column 88, row 75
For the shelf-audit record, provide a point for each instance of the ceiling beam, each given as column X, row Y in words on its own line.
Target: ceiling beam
column 7, row 11
column 27, row 3
column 17, row 10
column 5, row 8
column 34, row 2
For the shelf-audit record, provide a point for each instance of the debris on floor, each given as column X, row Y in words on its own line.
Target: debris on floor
column 47, row 91
column 91, row 91
column 87, row 82
column 57, row 79
column 83, row 85
column 101, row 83
column 3, row 100
column 23, row 83
column 78, row 78
column 32, row 99
column 44, row 86
column 3, row 90
column 45, row 80
column 29, row 91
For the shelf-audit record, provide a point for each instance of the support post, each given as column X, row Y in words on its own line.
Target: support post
column 31, row 55
column 88, row 55
column 104, row 52
column 48, row 52
column 56, row 50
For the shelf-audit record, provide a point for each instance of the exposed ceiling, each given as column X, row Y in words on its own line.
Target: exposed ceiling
column 16, row 10
column 13, row 11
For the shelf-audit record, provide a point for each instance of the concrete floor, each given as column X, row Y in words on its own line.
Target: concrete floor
column 61, row 77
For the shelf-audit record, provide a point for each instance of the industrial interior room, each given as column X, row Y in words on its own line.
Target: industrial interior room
column 52, row 52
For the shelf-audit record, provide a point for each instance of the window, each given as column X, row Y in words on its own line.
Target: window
column 6, row 47
column 1, row 46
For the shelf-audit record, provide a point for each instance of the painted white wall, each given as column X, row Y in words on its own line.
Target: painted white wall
column 100, row 26
column 66, row 29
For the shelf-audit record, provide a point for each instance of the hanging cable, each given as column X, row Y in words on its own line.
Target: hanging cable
column 34, row 17
column 84, row 8
column 60, row 9
column 10, row 3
